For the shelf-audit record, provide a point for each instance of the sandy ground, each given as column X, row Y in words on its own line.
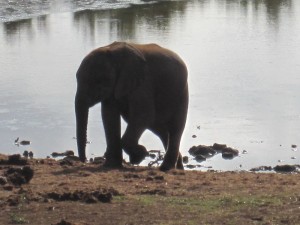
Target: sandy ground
column 47, row 191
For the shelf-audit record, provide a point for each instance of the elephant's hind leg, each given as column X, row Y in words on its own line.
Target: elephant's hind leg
column 162, row 132
column 173, row 158
column 172, row 154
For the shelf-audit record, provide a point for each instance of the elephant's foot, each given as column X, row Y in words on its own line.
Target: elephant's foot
column 169, row 164
column 179, row 164
column 83, row 160
column 113, row 164
column 137, row 154
column 166, row 167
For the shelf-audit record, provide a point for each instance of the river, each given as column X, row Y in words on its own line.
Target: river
column 242, row 55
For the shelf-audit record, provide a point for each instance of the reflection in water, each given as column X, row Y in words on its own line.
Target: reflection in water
column 272, row 8
column 13, row 29
column 122, row 24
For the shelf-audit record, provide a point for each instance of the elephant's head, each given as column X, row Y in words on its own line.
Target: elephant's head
column 107, row 73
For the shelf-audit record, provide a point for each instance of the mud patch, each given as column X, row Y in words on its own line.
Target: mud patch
column 154, row 192
column 104, row 196
column 14, row 160
column 17, row 176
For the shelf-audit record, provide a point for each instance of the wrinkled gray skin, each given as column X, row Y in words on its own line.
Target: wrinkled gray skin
column 147, row 86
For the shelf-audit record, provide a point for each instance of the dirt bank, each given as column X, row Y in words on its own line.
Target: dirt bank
column 53, row 192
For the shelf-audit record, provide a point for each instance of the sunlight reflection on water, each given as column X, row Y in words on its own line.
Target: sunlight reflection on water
column 243, row 60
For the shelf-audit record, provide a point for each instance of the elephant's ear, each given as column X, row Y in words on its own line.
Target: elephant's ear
column 131, row 67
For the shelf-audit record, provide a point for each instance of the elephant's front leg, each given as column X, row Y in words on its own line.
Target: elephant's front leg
column 136, row 152
column 112, row 127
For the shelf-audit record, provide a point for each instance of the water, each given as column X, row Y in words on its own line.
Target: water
column 242, row 55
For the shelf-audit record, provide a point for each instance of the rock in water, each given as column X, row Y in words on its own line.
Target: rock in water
column 185, row 159
column 285, row 168
column 203, row 150
column 219, row 147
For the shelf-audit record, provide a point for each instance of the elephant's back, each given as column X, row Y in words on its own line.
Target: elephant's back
column 154, row 52
column 169, row 75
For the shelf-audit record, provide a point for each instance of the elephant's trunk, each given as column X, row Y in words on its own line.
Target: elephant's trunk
column 82, row 111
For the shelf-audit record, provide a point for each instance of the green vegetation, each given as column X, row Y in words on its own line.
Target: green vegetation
column 17, row 219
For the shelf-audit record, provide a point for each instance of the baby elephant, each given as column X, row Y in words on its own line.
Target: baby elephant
column 147, row 86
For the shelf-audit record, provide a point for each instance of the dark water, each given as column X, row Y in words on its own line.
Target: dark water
column 243, row 59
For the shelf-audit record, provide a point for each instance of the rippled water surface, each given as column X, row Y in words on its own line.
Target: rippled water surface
column 243, row 59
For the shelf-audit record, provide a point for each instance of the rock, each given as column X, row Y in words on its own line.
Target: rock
column 24, row 142
column 99, row 160
column 219, row 147
column 203, row 150
column 28, row 173
column 3, row 180
column 16, row 160
column 185, row 159
column 30, row 154
column 72, row 158
column 25, row 154
column 200, row 158
column 189, row 166
column 229, row 153
column 90, row 199
column 62, row 154
column 284, row 168
column 194, row 136
column 261, row 168
column 69, row 153
column 16, row 179
column 55, row 154
column 66, row 162
column 294, row 146
column 104, row 197
column 19, row 176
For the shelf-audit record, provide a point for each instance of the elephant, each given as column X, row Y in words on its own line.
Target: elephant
column 147, row 86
